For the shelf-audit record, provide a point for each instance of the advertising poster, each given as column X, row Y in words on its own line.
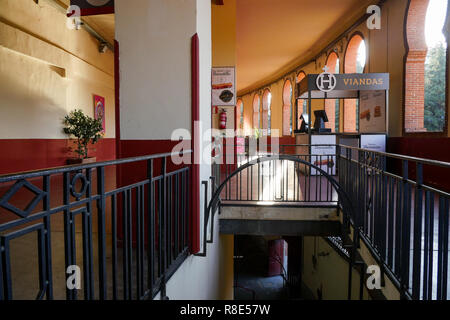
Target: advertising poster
column 223, row 86
column 372, row 112
column 324, row 156
column 99, row 110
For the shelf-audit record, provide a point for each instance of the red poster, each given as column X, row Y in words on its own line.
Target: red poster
column 99, row 110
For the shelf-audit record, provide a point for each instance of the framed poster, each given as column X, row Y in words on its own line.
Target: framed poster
column 372, row 112
column 99, row 110
column 223, row 81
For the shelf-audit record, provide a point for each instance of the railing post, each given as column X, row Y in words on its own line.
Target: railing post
column 405, row 230
column 417, row 233
column 163, row 220
column 150, row 227
column 48, row 242
column 205, row 221
column 101, row 203
column 213, row 189
column 69, row 246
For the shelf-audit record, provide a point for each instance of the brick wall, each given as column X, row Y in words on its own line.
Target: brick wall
column 287, row 95
column 415, row 66
column 350, row 67
column 330, row 104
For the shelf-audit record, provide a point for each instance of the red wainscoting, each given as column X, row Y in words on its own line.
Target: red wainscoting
column 128, row 174
column 32, row 154
column 135, row 148
column 428, row 148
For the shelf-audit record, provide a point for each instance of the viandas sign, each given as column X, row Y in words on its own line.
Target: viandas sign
column 350, row 81
column 94, row 7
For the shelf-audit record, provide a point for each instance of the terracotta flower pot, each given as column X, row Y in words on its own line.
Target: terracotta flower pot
column 72, row 161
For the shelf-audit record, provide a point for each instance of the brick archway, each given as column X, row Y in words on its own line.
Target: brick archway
column 415, row 66
column 330, row 104
column 300, row 102
column 266, row 112
column 256, row 106
column 287, row 107
column 240, row 115
column 350, row 66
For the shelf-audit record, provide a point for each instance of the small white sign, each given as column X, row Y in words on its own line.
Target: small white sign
column 223, row 86
column 374, row 142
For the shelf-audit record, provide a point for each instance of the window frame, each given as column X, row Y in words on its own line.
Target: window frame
column 445, row 132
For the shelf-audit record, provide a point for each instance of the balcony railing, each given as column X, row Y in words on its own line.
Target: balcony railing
column 402, row 218
column 281, row 180
column 397, row 208
column 123, row 242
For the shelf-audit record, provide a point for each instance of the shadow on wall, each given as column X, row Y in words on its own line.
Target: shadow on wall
column 33, row 103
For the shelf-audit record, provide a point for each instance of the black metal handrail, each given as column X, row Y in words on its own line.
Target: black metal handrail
column 343, row 202
column 279, row 180
column 393, row 212
column 142, row 228
column 396, row 218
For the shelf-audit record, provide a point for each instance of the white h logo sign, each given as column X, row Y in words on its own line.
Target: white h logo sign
column 326, row 78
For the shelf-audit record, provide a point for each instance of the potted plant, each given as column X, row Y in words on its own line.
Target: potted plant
column 86, row 131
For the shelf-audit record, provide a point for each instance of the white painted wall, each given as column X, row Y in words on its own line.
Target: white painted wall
column 155, row 73
column 47, row 70
column 155, row 41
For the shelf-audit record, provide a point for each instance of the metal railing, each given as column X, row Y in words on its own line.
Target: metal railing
column 340, row 199
column 278, row 180
column 404, row 221
column 125, row 241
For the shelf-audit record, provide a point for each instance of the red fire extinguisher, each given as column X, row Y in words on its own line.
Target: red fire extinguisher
column 223, row 120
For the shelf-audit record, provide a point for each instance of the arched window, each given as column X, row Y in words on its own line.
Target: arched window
column 267, row 101
column 256, row 106
column 240, row 114
column 425, row 69
column 355, row 62
column 302, row 104
column 287, row 108
column 332, row 105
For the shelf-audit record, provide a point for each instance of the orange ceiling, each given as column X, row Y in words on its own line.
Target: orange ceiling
column 274, row 36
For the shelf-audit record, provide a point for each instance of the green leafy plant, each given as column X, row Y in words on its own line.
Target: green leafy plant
column 85, row 129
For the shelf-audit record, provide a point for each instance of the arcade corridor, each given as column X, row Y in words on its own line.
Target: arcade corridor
column 247, row 150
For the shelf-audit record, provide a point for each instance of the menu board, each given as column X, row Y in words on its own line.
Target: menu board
column 223, row 86
column 372, row 112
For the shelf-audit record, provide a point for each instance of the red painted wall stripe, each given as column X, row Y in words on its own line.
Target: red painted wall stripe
column 428, row 148
column 195, row 172
column 34, row 154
